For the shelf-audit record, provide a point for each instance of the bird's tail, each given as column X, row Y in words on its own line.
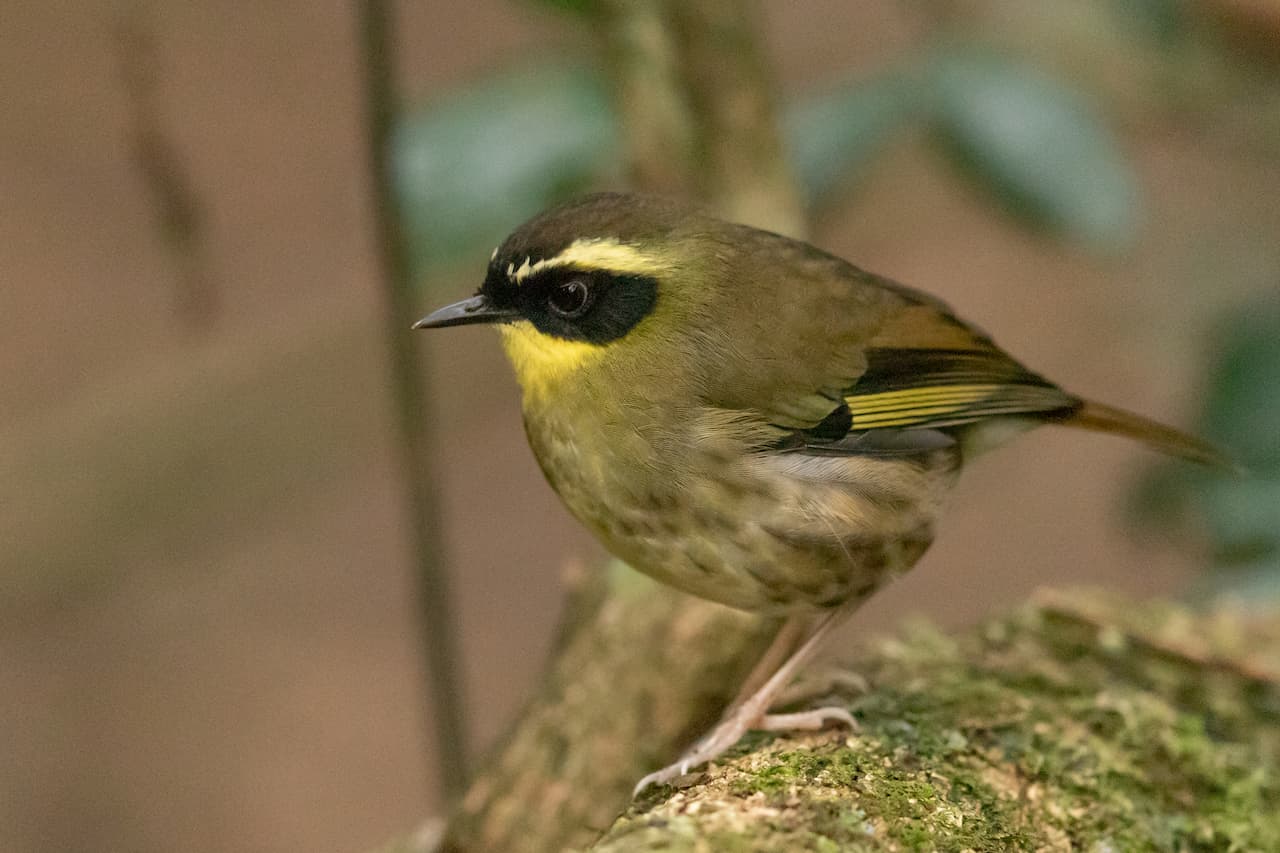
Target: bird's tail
column 1102, row 418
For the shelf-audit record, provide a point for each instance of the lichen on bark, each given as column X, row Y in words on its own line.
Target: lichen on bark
column 1076, row 723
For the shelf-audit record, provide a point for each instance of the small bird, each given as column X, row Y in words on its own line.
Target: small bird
column 750, row 419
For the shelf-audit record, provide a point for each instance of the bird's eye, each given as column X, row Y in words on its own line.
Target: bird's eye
column 571, row 299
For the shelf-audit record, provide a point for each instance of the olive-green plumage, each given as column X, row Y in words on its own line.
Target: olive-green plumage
column 744, row 416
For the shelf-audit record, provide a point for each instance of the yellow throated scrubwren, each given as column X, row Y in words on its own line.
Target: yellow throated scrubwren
column 748, row 418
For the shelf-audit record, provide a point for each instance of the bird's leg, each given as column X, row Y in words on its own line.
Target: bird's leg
column 790, row 635
column 751, row 712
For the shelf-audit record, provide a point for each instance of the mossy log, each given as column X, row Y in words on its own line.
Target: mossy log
column 1076, row 723
column 638, row 672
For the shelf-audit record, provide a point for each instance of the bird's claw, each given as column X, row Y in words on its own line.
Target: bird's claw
column 658, row 777
column 806, row 720
column 731, row 730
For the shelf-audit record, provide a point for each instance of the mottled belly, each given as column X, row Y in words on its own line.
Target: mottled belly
column 763, row 550
column 769, row 534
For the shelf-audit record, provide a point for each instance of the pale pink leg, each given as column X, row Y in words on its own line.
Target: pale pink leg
column 751, row 712
column 790, row 635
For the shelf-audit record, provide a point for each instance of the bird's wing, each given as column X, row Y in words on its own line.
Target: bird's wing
column 935, row 388
column 791, row 354
column 927, row 373
column 870, row 355
column 926, row 368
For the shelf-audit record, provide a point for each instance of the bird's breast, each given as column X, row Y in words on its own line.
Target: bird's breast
column 762, row 533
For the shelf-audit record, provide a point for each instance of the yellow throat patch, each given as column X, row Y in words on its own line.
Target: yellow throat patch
column 541, row 361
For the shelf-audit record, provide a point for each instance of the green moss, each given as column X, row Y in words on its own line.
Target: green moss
column 868, row 789
column 769, row 780
column 1050, row 729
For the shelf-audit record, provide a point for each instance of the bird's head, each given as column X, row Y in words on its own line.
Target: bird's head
column 590, row 282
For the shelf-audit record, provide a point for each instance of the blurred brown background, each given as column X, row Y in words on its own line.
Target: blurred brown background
column 206, row 630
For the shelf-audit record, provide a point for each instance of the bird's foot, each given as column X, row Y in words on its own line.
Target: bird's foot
column 806, row 721
column 730, row 731
column 823, row 683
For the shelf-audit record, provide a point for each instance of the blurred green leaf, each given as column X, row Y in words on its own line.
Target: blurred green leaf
column 1048, row 157
column 471, row 167
column 1241, row 514
column 833, row 135
column 1242, row 412
column 1243, row 407
column 1257, row 582
column 1164, row 21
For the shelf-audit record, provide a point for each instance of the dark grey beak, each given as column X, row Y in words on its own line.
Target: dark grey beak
column 477, row 309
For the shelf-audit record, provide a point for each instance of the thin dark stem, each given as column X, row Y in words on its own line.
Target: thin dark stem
column 180, row 215
column 412, row 404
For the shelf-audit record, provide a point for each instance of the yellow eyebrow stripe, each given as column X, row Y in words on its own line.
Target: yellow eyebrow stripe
column 603, row 254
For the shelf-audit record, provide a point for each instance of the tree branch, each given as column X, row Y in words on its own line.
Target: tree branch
column 640, row 671
column 741, row 164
